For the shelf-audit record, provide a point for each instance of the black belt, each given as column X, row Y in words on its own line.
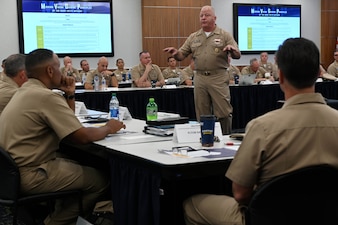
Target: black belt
column 210, row 72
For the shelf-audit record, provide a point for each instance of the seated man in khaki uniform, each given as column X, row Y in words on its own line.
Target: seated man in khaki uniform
column 101, row 71
column 120, row 70
column 172, row 71
column 13, row 79
column 254, row 68
column 34, row 123
column 147, row 74
column 272, row 148
column 69, row 70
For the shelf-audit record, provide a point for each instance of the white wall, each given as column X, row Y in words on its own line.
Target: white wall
column 128, row 30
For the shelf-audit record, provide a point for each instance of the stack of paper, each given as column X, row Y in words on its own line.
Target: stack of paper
column 159, row 131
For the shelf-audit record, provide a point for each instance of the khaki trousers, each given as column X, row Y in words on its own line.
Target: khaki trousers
column 212, row 97
column 63, row 174
column 213, row 210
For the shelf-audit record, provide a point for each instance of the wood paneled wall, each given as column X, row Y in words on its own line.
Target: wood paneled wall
column 168, row 23
column 329, row 30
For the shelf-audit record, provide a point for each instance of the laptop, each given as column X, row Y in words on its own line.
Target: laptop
column 246, row 80
column 175, row 80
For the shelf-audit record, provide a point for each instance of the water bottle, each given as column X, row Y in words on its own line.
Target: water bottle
column 96, row 82
column 114, row 107
column 103, row 83
column 84, row 78
column 129, row 74
column 151, row 110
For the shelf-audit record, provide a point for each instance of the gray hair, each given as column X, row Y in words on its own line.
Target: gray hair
column 253, row 60
column 14, row 64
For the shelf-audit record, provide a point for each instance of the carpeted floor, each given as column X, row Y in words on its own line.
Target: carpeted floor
column 32, row 217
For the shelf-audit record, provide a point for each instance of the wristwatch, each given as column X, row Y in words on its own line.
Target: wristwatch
column 69, row 97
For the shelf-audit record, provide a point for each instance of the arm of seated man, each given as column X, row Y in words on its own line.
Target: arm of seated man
column 242, row 194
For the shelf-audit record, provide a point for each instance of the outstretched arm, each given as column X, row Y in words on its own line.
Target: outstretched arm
column 174, row 52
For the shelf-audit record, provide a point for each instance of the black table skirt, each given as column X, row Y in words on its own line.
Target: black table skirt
column 248, row 101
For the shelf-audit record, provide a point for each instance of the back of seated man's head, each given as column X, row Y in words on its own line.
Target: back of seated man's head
column 36, row 61
column 14, row 64
column 298, row 60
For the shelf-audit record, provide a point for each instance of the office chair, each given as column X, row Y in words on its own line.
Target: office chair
column 10, row 188
column 308, row 196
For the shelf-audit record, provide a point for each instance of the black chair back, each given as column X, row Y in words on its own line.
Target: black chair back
column 10, row 179
column 307, row 196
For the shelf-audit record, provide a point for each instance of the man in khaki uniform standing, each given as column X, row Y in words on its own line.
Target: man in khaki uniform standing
column 210, row 47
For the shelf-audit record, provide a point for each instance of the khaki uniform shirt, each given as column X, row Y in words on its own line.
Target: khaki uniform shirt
column 207, row 52
column 90, row 78
column 169, row 73
column 259, row 74
column 34, row 122
column 155, row 73
column 267, row 66
column 118, row 74
column 188, row 72
column 232, row 71
column 8, row 87
column 82, row 73
column 275, row 71
column 333, row 69
column 75, row 73
column 302, row 133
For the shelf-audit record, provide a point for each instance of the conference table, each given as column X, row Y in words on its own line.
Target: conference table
column 248, row 101
column 149, row 185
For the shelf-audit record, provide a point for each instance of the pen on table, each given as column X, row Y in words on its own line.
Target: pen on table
column 232, row 143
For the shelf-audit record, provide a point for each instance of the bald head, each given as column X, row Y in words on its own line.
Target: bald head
column 208, row 8
column 207, row 18
column 102, row 64
column 67, row 60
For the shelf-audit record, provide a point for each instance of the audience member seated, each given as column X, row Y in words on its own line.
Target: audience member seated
column 85, row 68
column 272, row 148
column 232, row 72
column 14, row 78
column 172, row 71
column 101, row 71
column 69, row 70
column 274, row 72
column 325, row 76
column 333, row 67
column 189, row 70
column 2, row 74
column 120, row 70
column 146, row 74
column 32, row 126
column 268, row 66
column 255, row 68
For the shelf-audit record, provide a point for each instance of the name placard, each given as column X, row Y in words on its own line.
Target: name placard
column 184, row 133
column 80, row 108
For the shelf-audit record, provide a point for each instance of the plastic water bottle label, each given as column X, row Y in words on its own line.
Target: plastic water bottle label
column 114, row 114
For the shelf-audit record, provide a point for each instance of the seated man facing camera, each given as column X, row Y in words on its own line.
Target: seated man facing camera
column 146, row 74
column 101, row 71
column 32, row 126
column 270, row 147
